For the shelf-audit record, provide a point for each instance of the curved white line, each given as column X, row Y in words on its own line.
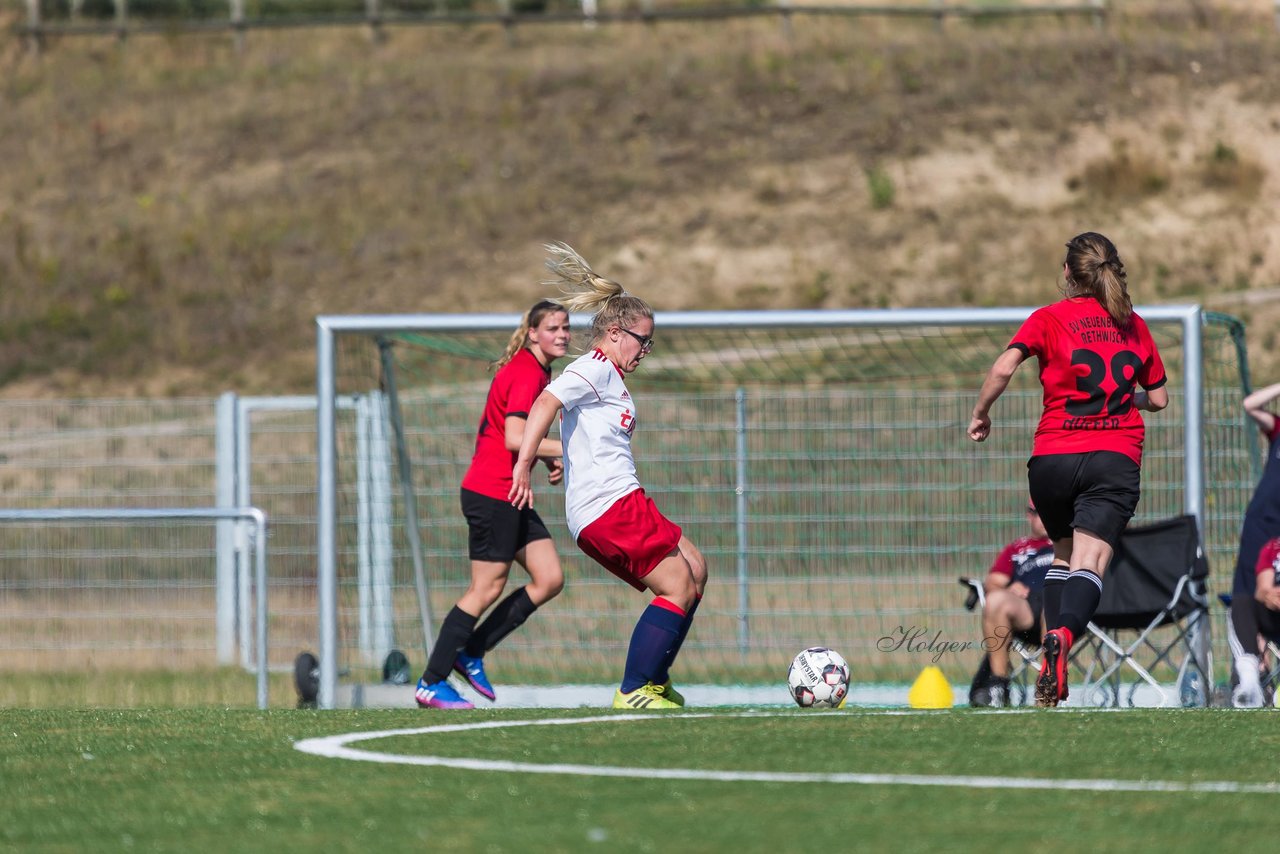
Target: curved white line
column 335, row 747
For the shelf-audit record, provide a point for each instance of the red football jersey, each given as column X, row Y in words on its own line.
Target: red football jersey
column 1006, row 562
column 514, row 389
column 1089, row 368
column 1269, row 558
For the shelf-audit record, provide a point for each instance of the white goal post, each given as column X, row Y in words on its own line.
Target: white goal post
column 801, row 334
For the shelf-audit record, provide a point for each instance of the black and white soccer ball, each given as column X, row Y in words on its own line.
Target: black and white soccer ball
column 819, row 679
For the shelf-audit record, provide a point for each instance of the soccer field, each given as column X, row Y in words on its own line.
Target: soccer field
column 700, row 780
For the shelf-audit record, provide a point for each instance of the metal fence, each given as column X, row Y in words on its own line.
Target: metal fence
column 124, row 18
column 817, row 458
column 133, row 581
column 803, row 488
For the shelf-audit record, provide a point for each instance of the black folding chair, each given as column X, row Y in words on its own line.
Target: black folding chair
column 1154, row 607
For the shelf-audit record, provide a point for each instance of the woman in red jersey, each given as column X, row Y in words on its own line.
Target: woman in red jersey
column 1084, row 472
column 500, row 533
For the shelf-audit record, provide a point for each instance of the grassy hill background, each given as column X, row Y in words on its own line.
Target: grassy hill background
column 173, row 214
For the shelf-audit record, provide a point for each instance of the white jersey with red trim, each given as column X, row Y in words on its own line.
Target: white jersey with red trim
column 595, row 429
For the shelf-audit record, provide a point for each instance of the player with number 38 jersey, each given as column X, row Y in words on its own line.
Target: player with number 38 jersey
column 1090, row 368
column 1085, row 470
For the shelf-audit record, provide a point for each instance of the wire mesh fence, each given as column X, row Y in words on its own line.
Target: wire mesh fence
column 861, row 502
column 864, row 499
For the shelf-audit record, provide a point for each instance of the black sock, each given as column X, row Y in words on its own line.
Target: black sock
column 982, row 676
column 1244, row 623
column 1080, row 597
column 1053, row 581
column 454, row 634
column 507, row 616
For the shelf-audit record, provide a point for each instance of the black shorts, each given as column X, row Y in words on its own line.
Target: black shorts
column 498, row 530
column 1097, row 491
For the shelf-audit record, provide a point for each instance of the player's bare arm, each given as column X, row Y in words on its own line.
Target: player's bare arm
column 1151, row 401
column 550, row 451
column 514, row 435
column 541, row 414
column 997, row 380
column 1255, row 406
column 1267, row 592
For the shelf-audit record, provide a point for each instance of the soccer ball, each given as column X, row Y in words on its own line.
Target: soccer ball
column 818, row 679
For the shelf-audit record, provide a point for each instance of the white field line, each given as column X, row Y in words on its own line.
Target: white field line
column 335, row 747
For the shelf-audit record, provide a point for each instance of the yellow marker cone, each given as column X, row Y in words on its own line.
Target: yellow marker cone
column 931, row 691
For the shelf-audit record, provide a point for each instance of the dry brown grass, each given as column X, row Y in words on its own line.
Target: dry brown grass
column 175, row 215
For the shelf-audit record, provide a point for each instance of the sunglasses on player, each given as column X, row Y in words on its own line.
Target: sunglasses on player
column 645, row 341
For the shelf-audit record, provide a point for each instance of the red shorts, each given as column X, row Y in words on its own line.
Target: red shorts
column 631, row 538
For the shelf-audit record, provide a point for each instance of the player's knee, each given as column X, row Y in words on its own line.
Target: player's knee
column 697, row 566
column 487, row 590
column 683, row 592
column 547, row 586
column 698, row 571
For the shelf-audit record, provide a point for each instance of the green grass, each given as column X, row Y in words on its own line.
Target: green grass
column 226, row 687
column 162, row 780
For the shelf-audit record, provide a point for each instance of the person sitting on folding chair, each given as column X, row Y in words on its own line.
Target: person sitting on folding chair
column 1261, row 523
column 1253, row 620
column 1011, row 608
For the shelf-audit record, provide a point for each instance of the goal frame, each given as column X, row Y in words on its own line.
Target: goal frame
column 329, row 327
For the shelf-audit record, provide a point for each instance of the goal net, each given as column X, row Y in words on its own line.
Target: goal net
column 818, row 459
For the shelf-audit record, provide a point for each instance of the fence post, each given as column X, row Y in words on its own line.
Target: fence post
column 34, row 30
column 785, row 10
column 1100, row 13
column 373, row 15
column 740, row 492
column 237, row 25
column 225, row 496
column 508, row 21
column 244, row 578
column 122, row 18
column 940, row 15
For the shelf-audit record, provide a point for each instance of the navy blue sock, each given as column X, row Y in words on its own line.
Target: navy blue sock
column 664, row 673
column 655, row 634
column 1080, row 597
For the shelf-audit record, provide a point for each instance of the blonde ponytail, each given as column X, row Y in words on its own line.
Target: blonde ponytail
column 588, row 292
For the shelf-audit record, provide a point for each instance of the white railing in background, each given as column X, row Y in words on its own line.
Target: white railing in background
column 256, row 530
column 235, row 488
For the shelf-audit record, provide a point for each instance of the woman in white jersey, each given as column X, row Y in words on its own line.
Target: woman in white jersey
column 609, row 515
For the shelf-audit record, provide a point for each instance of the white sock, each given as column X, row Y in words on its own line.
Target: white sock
column 1248, row 692
column 1247, row 671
